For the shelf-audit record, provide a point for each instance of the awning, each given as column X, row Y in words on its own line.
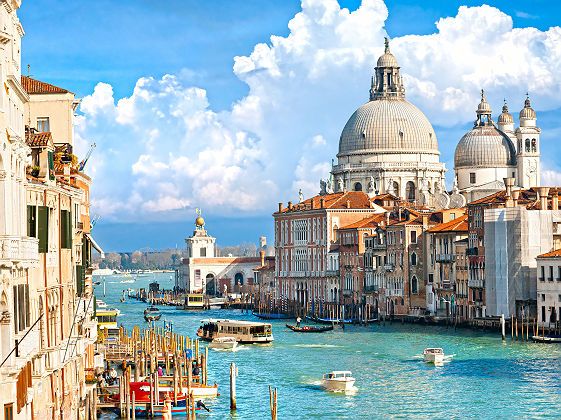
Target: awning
column 95, row 245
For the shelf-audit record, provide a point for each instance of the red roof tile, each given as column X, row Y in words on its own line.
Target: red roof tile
column 457, row 225
column 368, row 222
column 355, row 200
column 35, row 86
column 39, row 139
column 553, row 254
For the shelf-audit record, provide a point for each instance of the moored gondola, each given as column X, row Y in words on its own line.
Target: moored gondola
column 309, row 329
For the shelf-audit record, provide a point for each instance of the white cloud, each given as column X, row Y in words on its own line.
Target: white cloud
column 164, row 148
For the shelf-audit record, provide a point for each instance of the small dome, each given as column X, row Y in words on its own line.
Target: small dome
column 387, row 60
column 483, row 107
column 486, row 147
column 527, row 112
column 505, row 117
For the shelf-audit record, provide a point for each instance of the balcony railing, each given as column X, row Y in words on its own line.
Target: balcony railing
column 389, row 267
column 476, row 283
column 347, row 292
column 445, row 258
column 371, row 288
column 394, row 292
column 18, row 249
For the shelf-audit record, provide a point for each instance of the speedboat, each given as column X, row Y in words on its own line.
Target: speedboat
column 225, row 343
column 338, row 380
column 152, row 314
column 433, row 355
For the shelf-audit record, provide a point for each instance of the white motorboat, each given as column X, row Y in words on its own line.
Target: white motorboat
column 244, row 332
column 225, row 343
column 338, row 380
column 433, row 355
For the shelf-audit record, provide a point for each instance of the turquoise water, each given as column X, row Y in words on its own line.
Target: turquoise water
column 487, row 378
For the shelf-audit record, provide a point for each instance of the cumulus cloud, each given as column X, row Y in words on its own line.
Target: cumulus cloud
column 164, row 148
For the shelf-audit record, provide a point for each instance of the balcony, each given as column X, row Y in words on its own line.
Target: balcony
column 389, row 267
column 379, row 247
column 371, row 288
column 17, row 249
column 472, row 251
column 394, row 292
column 347, row 292
column 445, row 258
column 476, row 283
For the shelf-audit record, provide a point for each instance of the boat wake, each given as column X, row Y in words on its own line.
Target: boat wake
column 318, row 346
column 237, row 348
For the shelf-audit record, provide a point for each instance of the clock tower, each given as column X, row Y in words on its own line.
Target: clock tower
column 528, row 148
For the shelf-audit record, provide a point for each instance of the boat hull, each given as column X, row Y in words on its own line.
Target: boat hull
column 338, row 386
column 223, row 346
column 433, row 358
column 308, row 329
column 271, row 316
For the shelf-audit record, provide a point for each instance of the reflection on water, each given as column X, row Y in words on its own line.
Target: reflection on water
column 486, row 378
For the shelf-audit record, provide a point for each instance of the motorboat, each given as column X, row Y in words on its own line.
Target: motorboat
column 242, row 331
column 338, row 380
column 433, row 355
column 224, row 343
column 152, row 314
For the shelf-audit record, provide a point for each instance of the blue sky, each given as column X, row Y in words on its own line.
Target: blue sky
column 226, row 137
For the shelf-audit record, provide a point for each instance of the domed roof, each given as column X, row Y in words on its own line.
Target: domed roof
column 527, row 112
column 388, row 125
column 505, row 117
column 386, row 60
column 485, row 146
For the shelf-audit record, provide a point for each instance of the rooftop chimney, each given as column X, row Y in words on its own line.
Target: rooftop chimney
column 290, row 205
column 322, row 202
column 515, row 197
column 425, row 222
column 280, row 207
column 542, row 194
column 509, row 183
column 555, row 202
column 387, row 218
column 262, row 255
column 344, row 190
column 348, row 204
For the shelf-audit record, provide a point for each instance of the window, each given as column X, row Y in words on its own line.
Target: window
column 43, row 228
column 414, row 285
column 452, row 216
column 32, row 221
column 431, row 278
column 559, row 298
column 413, row 237
column 543, row 297
column 203, row 252
column 527, row 145
column 413, row 259
column 542, row 277
column 9, row 411
column 559, row 273
column 472, row 177
column 358, row 186
column 65, row 229
column 534, row 146
column 550, row 273
column 410, row 191
column 43, row 125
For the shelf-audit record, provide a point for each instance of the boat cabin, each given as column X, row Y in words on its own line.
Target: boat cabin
column 243, row 331
column 338, row 374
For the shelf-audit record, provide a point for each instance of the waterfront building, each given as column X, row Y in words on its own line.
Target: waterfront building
column 443, row 289
column 488, row 154
column 264, row 281
column 388, row 145
column 202, row 271
column 548, row 285
column 462, row 286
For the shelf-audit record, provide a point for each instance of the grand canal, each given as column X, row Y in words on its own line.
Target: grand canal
column 487, row 378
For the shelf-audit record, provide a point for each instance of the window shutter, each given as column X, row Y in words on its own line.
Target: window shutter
column 80, row 279
column 16, row 315
column 21, row 306
column 43, row 228
column 95, row 307
column 65, row 229
column 27, row 307
column 69, row 243
column 51, row 166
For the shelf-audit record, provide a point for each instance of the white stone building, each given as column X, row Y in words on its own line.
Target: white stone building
column 487, row 154
column 388, row 145
column 548, row 283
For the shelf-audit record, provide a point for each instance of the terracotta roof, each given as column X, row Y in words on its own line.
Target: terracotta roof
column 35, row 86
column 457, row 225
column 553, row 254
column 39, row 139
column 415, row 221
column 368, row 222
column 357, row 200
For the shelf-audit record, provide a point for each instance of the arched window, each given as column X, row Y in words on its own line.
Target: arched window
column 414, row 284
column 396, row 188
column 413, row 259
column 358, row 186
column 238, row 279
column 534, row 145
column 410, row 191
column 402, row 301
column 527, row 145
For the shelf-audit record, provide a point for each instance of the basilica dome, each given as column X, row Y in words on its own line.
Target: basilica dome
column 388, row 125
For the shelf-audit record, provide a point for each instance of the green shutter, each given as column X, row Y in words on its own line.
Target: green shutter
column 86, row 252
column 95, row 307
column 32, row 221
column 51, row 166
column 43, row 228
column 80, row 279
column 65, row 229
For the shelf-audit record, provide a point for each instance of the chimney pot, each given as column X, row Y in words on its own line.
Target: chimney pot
column 262, row 255
column 348, row 204
column 290, row 205
column 555, row 202
column 322, row 202
column 542, row 194
column 280, row 207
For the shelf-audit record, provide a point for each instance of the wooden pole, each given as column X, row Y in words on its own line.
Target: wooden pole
column 133, row 406
column 121, row 396
column 189, row 375
column 511, row 329
column 151, row 395
column 503, row 326
column 206, row 364
column 233, row 386
column 516, row 328
column 127, row 392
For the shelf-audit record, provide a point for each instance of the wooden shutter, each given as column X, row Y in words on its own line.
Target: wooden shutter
column 65, row 229
column 80, row 279
column 21, row 306
column 51, row 166
column 69, row 223
column 27, row 307
column 43, row 228
column 16, row 315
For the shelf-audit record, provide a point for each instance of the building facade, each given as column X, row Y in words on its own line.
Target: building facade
column 548, row 285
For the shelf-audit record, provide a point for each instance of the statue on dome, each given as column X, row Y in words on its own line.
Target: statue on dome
column 371, row 185
column 389, row 188
column 340, row 185
column 322, row 187
column 300, row 195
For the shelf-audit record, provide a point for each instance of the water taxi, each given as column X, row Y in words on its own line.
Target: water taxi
column 338, row 380
column 224, row 343
column 194, row 301
column 107, row 318
column 242, row 331
column 433, row 355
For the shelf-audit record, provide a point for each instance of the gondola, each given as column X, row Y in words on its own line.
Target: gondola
column 309, row 329
column 272, row 316
column 329, row 321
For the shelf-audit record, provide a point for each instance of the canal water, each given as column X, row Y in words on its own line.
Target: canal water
column 486, row 377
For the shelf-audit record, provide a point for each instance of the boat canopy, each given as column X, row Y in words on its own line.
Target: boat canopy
column 234, row 322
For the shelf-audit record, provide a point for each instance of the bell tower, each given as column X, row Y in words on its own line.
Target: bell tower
column 528, row 148
column 387, row 83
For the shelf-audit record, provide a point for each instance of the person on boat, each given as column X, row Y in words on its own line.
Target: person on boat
column 298, row 320
column 196, row 370
column 160, row 371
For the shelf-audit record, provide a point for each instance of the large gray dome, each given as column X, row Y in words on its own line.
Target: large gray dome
column 486, row 147
column 388, row 125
